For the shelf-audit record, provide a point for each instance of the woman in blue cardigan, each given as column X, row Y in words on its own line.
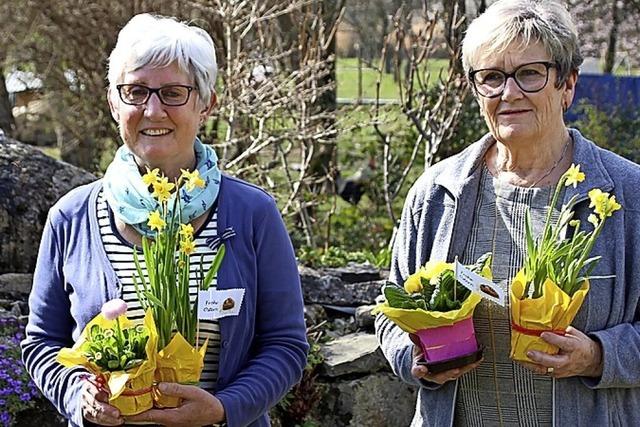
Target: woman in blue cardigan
column 161, row 89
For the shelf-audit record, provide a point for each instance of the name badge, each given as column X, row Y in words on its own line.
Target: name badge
column 214, row 303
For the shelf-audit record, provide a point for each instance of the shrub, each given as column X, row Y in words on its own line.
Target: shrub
column 616, row 130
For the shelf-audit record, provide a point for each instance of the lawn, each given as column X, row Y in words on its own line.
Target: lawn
column 347, row 79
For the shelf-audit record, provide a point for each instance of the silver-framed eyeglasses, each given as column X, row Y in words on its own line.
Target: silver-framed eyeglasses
column 171, row 95
column 531, row 77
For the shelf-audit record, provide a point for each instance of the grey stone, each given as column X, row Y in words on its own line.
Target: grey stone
column 319, row 288
column 356, row 353
column 364, row 318
column 377, row 400
column 340, row 327
column 354, row 273
column 16, row 283
column 30, row 183
column 314, row 314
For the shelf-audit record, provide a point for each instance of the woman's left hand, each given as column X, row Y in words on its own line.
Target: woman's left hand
column 198, row 408
column 579, row 355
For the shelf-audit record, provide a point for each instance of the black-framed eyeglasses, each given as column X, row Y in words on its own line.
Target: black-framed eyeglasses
column 171, row 95
column 531, row 77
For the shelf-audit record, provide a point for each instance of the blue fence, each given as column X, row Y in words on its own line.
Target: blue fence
column 613, row 94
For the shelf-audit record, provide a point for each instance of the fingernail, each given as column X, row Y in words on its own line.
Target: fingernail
column 529, row 354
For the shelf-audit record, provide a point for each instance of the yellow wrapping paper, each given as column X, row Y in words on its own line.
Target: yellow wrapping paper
column 554, row 311
column 178, row 362
column 414, row 320
column 131, row 390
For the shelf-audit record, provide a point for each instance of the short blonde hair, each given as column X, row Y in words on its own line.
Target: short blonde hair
column 524, row 22
column 158, row 41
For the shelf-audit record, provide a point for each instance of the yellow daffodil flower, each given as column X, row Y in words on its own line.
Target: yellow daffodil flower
column 186, row 230
column 187, row 246
column 162, row 189
column 151, row 177
column 574, row 176
column 156, row 222
column 602, row 204
column 593, row 220
column 193, row 179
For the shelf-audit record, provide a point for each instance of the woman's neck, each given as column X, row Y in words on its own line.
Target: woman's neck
column 530, row 164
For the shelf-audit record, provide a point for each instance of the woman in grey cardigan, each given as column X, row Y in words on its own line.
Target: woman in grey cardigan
column 522, row 59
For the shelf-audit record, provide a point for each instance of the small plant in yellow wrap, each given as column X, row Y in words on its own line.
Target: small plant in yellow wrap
column 166, row 289
column 547, row 293
column 435, row 307
column 121, row 355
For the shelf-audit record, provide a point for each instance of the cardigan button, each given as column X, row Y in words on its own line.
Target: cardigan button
column 225, row 343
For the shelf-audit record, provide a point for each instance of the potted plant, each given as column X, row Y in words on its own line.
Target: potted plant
column 121, row 355
column 438, row 309
column 548, row 292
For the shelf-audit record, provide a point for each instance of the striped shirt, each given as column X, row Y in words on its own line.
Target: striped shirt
column 120, row 254
column 501, row 392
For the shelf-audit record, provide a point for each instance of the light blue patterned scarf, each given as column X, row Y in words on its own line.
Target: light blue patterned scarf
column 131, row 201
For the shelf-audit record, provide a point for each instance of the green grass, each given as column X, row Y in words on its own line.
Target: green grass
column 347, row 79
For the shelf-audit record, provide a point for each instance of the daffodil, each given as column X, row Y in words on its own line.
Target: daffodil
column 151, row 177
column 574, row 176
column 193, row 179
column 602, row 204
column 564, row 260
column 156, row 222
column 186, row 230
column 162, row 189
column 187, row 246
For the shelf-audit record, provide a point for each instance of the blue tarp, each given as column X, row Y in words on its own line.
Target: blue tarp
column 613, row 94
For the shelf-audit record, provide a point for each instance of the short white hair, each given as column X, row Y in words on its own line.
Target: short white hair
column 158, row 41
column 524, row 22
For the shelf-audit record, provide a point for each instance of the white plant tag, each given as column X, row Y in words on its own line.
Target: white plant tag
column 478, row 284
column 214, row 303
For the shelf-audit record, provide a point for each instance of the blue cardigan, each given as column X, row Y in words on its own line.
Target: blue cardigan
column 263, row 350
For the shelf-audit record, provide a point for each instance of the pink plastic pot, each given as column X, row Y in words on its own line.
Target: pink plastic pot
column 448, row 342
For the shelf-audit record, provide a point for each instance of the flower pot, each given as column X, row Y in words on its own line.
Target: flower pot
column 449, row 346
column 178, row 362
column 552, row 312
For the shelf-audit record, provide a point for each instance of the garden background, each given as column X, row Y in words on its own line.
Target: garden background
column 334, row 106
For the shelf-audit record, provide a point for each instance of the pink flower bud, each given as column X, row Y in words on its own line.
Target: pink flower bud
column 114, row 308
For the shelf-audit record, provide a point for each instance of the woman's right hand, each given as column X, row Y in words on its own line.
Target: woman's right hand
column 422, row 372
column 95, row 405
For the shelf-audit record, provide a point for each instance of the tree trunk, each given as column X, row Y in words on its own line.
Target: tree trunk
column 7, row 122
column 610, row 55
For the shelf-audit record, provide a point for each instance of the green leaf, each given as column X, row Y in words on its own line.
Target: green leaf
column 397, row 297
column 215, row 266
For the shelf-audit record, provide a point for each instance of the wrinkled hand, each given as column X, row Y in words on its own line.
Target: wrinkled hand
column 95, row 405
column 578, row 355
column 422, row 372
column 198, row 408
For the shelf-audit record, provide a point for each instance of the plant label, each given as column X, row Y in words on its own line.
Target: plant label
column 478, row 284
